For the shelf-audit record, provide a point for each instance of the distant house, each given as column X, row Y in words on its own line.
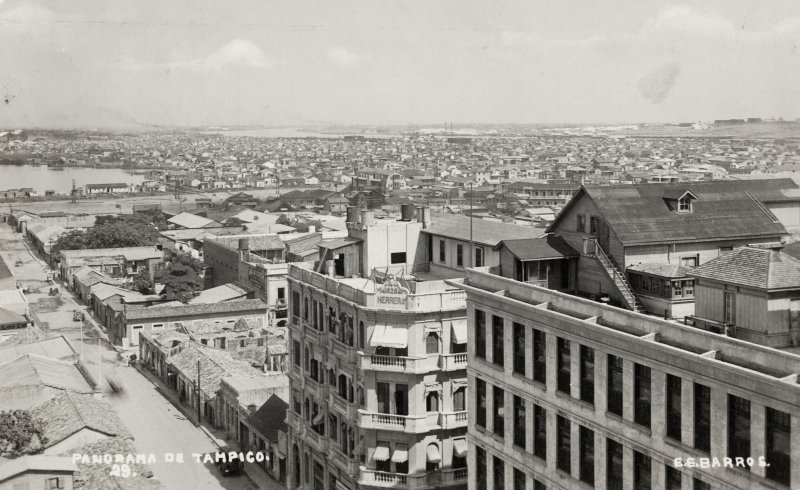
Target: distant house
column 184, row 221
column 38, row 471
column 107, row 188
column 242, row 199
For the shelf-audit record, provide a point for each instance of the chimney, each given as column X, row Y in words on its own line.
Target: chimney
column 352, row 214
column 367, row 218
column 424, row 216
column 244, row 249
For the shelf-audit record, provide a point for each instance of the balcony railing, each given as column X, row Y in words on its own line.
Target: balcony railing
column 542, row 283
column 434, row 479
column 383, row 478
column 414, row 424
column 452, row 420
column 453, row 362
column 397, row 364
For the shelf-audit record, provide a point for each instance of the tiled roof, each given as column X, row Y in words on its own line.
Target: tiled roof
column 755, row 267
column 270, row 418
column 67, row 413
column 155, row 312
column 639, row 214
column 220, row 293
column 214, row 365
column 662, row 270
column 483, row 231
column 549, row 247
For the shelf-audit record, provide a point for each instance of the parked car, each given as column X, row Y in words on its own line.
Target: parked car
column 231, row 468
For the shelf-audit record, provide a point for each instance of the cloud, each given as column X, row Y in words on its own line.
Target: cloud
column 656, row 85
column 344, row 57
column 239, row 52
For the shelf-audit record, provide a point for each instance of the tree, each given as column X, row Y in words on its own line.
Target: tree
column 142, row 282
column 109, row 232
column 20, row 433
column 181, row 277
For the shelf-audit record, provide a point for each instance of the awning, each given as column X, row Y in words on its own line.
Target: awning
column 458, row 383
column 459, row 331
column 400, row 454
column 381, row 453
column 433, row 454
column 460, row 447
column 432, row 327
column 433, row 387
column 388, row 336
column 319, row 418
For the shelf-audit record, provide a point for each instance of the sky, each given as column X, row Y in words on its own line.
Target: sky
column 101, row 63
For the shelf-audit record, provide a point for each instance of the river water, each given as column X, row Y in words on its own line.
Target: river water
column 42, row 178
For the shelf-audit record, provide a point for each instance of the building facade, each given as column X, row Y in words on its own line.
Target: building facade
column 570, row 393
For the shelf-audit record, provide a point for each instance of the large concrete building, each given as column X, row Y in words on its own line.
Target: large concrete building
column 378, row 366
column 570, row 393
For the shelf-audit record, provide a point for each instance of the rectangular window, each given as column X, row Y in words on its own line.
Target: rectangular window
column 298, row 361
column 563, row 452
column 539, row 356
column 281, row 293
column 729, row 308
column 587, row 374
column 480, row 334
column 382, row 392
column 613, row 465
column 499, row 473
column 594, row 225
column 738, row 427
column 497, row 340
column 398, row 257
column 778, row 439
column 478, row 257
column 563, row 365
column 519, row 479
column 689, row 261
column 442, row 251
column 537, row 485
column 641, row 471
column 674, row 407
column 480, row 419
column 480, row 468
column 641, row 394
column 498, row 408
column 581, row 223
column 672, row 478
column 460, row 255
column 519, row 422
column 702, row 417
column 587, row 455
column 539, row 432
column 698, row 484
column 296, row 304
column 615, row 385
column 519, row 348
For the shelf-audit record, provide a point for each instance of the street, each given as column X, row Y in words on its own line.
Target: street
column 156, row 425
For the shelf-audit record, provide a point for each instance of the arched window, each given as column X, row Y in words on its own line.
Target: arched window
column 459, row 399
column 433, row 457
column 432, row 343
column 432, row 401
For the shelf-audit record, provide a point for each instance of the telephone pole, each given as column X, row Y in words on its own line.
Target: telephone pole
column 199, row 420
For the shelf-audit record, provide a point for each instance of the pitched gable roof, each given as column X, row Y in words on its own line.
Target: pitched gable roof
column 270, row 418
column 67, row 413
column 755, row 267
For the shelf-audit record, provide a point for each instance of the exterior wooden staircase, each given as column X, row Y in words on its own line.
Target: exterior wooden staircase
column 616, row 276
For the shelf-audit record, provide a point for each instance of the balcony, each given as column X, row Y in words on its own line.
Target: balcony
column 412, row 424
column 384, row 479
column 397, row 364
column 437, row 479
column 317, row 441
column 542, row 283
column 344, row 352
column 453, row 362
column 297, row 424
column 453, row 420
column 342, row 406
column 311, row 334
column 341, row 461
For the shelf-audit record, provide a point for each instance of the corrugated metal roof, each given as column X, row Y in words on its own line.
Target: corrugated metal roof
column 33, row 369
column 56, row 348
column 483, row 232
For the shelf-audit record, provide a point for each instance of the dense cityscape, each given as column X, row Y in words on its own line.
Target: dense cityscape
column 361, row 246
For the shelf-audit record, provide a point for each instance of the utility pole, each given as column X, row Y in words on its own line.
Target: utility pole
column 471, row 243
column 99, row 361
column 199, row 420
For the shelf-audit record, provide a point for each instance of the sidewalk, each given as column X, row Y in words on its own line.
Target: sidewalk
column 256, row 474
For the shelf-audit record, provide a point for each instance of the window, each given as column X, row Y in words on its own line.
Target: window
column 729, row 308
column 725, row 250
column 281, row 293
column 480, row 468
column 587, row 456
column 498, row 409
column 519, row 348
column 398, row 258
column 460, row 255
column 432, row 402
column 478, row 257
column 698, row 484
column 778, row 446
column 563, row 365
column 497, row 340
column 480, row 387
column 690, row 261
column 400, row 399
column 459, row 402
column 539, row 432
column 54, row 483
column 615, row 385
column 613, row 465
column 519, row 479
column 674, row 407
column 442, row 251
column 594, row 225
column 587, row 374
column 581, row 223
column 480, row 334
column 519, row 422
column 432, row 343
column 537, row 485
column 672, row 479
column 641, row 394
column 684, row 205
column 563, row 452
column 157, row 326
column 539, row 356
column 702, row 417
column 382, row 390
column 261, row 341
column 296, row 357
column 738, row 427
column 499, row 473
column 242, row 343
column 641, row 471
